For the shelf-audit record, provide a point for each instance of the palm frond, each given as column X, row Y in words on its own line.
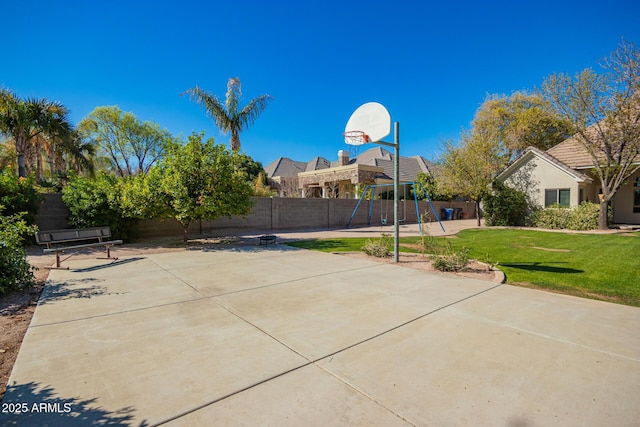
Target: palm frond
column 252, row 110
column 215, row 109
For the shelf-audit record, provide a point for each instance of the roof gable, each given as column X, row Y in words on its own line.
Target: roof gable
column 284, row 166
column 531, row 153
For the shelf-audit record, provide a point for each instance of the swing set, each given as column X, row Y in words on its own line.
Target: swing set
column 370, row 189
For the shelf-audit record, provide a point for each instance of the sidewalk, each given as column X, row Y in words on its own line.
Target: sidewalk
column 280, row 336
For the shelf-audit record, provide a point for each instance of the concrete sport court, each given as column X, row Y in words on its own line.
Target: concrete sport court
column 285, row 337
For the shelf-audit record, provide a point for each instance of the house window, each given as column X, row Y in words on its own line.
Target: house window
column 636, row 195
column 561, row 196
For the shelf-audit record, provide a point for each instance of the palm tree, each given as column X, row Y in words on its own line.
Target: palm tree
column 24, row 119
column 226, row 116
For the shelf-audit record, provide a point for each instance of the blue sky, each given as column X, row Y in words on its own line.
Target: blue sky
column 430, row 63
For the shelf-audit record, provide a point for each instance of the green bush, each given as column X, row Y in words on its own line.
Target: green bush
column 378, row 248
column 452, row 260
column 582, row 217
column 506, row 206
column 19, row 195
column 15, row 271
column 96, row 202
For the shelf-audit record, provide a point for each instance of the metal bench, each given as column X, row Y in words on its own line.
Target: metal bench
column 96, row 236
column 267, row 238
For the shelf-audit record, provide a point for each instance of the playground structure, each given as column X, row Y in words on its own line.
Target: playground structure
column 370, row 190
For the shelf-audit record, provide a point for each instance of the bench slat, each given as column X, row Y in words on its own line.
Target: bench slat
column 71, row 235
column 88, row 245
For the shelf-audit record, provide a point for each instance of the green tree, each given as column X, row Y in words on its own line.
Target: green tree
column 131, row 145
column 23, row 120
column 469, row 168
column 19, row 196
column 8, row 156
column 15, row 271
column 227, row 116
column 604, row 112
column 506, row 206
column 199, row 180
column 520, row 121
column 431, row 185
column 96, row 202
column 251, row 168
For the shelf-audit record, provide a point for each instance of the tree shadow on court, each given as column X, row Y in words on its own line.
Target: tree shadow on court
column 32, row 404
column 543, row 267
column 71, row 290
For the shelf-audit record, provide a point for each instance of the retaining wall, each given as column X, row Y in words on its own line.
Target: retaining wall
column 269, row 214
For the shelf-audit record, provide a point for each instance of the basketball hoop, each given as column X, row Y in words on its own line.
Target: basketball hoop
column 356, row 137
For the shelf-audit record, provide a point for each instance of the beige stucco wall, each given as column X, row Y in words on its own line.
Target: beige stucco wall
column 623, row 203
column 542, row 176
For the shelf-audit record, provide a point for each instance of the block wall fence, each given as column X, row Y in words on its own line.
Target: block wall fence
column 268, row 215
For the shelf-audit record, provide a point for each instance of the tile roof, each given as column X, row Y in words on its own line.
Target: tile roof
column 284, row 166
column 317, row 163
column 571, row 153
column 376, row 156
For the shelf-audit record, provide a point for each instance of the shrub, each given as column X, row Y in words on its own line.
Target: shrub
column 18, row 195
column 97, row 202
column 452, row 260
column 378, row 248
column 506, row 206
column 15, row 271
column 582, row 217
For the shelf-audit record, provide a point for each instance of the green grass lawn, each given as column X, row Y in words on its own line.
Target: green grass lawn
column 600, row 266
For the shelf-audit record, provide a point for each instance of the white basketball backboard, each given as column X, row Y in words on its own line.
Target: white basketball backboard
column 372, row 119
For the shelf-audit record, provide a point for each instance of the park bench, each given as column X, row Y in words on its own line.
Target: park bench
column 95, row 236
column 267, row 238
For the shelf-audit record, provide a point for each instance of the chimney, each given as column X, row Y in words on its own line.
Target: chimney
column 343, row 158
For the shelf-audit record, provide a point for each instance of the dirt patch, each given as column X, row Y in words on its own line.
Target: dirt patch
column 540, row 248
column 550, row 249
column 476, row 270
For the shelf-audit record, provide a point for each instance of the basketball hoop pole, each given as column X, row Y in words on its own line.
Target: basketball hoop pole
column 370, row 123
column 396, row 188
column 396, row 191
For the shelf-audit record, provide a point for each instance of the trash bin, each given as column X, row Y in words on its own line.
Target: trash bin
column 448, row 214
column 443, row 214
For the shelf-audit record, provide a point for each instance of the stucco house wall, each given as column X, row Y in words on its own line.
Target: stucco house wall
column 623, row 202
column 534, row 174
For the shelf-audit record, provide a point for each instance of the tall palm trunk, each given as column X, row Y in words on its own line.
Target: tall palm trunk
column 21, row 143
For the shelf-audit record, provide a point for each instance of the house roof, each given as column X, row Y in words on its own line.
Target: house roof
column 531, row 152
column 317, row 163
column 571, row 153
column 284, row 166
column 376, row 156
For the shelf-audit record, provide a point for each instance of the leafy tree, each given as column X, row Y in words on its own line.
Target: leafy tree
column 18, row 196
column 469, row 168
column 432, row 186
column 251, row 168
column 131, row 145
column 227, row 116
column 8, row 156
column 15, row 271
column 199, row 180
column 604, row 113
column 96, row 202
column 506, row 206
column 520, row 121
column 25, row 119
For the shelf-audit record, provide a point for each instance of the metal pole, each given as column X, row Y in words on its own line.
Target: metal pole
column 396, row 190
